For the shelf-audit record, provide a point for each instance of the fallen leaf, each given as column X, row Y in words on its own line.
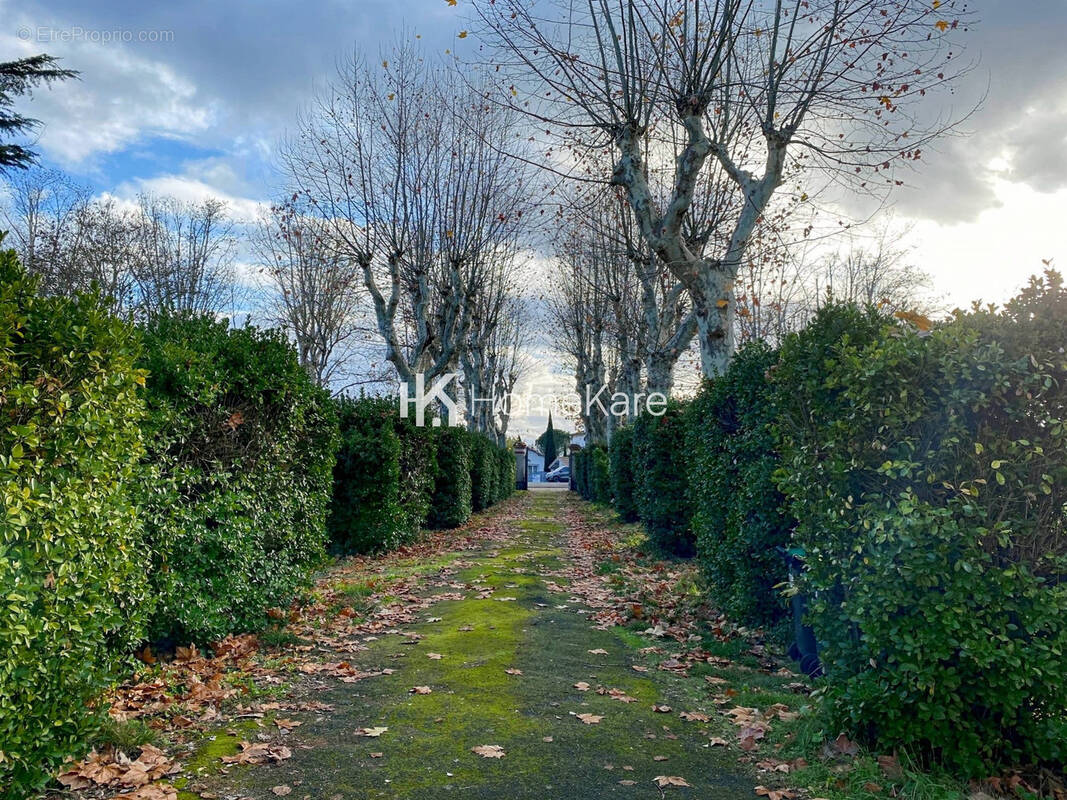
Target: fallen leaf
column 663, row 781
column 600, row 651
column 513, row 671
column 695, row 716
column 282, row 790
column 661, row 709
column 659, row 758
column 434, row 656
column 589, row 719
column 420, row 690
column 582, row 686
column 259, row 753
column 374, row 733
column 775, row 794
column 489, row 751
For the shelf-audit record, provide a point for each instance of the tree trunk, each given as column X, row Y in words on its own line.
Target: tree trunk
column 712, row 292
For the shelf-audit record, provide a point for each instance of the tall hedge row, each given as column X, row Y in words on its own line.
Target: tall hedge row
column 242, row 446
column 169, row 483
column 392, row 478
column 732, row 447
column 659, row 461
column 924, row 475
column 72, row 558
column 928, row 475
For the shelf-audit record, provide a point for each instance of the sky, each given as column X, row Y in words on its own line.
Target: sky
column 193, row 98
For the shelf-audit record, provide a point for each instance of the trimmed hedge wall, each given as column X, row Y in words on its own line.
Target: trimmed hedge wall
column 928, row 475
column 392, row 477
column 171, row 485
column 367, row 513
column 660, row 474
column 924, row 474
column 72, row 559
column 732, row 445
column 242, row 446
column 452, row 504
column 621, row 473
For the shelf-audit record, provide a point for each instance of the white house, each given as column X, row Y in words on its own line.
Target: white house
column 535, row 463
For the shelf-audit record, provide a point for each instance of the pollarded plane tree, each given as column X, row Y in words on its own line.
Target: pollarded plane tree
column 408, row 163
column 579, row 311
column 495, row 354
column 837, row 85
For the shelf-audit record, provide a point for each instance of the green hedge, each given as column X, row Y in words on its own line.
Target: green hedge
column 451, row 505
column 599, row 474
column 733, row 451
column 621, row 470
column 243, row 447
column 418, row 472
column 660, row 470
column 928, row 475
column 483, row 467
column 505, row 475
column 367, row 512
column 72, row 559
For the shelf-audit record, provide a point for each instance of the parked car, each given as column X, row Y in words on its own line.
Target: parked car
column 559, row 475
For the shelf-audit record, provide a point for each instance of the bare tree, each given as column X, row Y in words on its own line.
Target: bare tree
column 184, row 256
column 408, row 164
column 494, row 359
column 579, row 310
column 317, row 289
column 748, row 82
column 874, row 270
column 71, row 240
column 40, row 213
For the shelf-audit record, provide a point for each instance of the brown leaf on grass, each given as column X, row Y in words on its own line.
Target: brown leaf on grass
column 420, row 690
column 661, row 709
column 546, row 738
column 489, row 751
column 695, row 716
column 582, row 686
column 434, row 656
column 600, row 651
column 663, row 781
column 589, row 719
column 154, row 791
column 513, row 671
column 287, row 724
column 716, row 741
column 627, row 783
column 659, row 758
column 282, row 790
column 890, row 766
column 376, row 755
column 844, row 746
column 775, row 794
column 259, row 753
column 639, row 668
column 116, row 768
column 373, row 733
